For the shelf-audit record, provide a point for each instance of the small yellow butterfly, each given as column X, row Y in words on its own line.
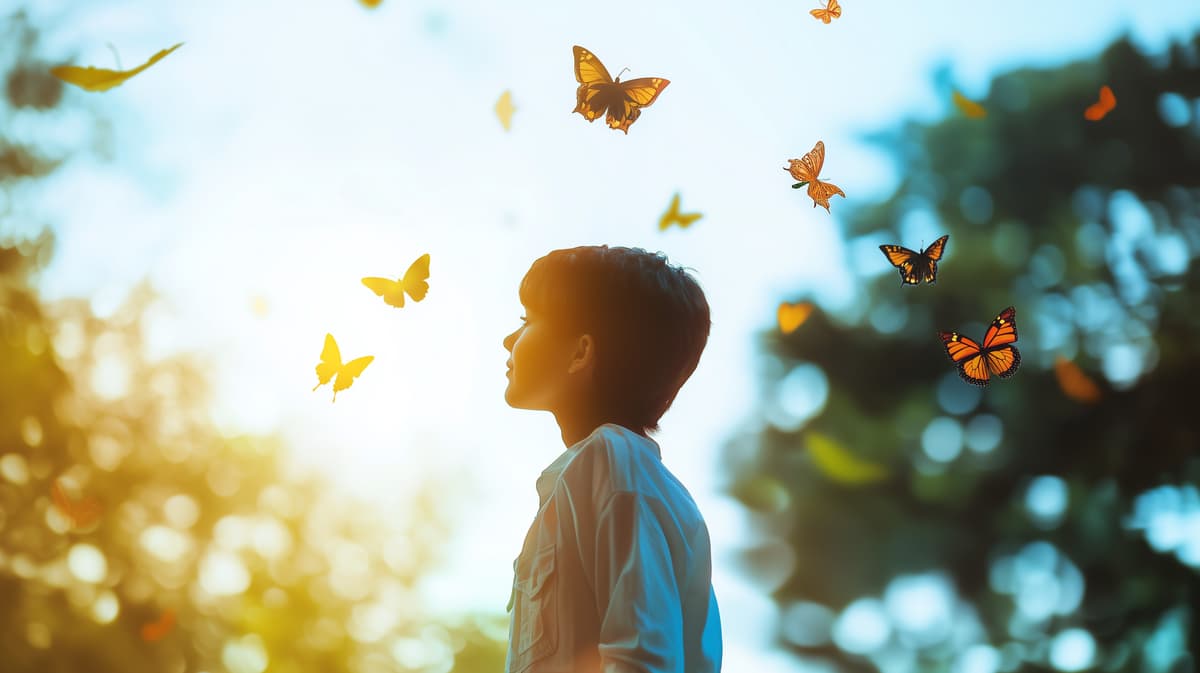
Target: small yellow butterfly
column 684, row 220
column 413, row 282
column 505, row 109
column 792, row 316
column 331, row 364
column 101, row 79
column 969, row 107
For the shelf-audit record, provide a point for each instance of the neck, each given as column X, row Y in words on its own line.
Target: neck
column 576, row 426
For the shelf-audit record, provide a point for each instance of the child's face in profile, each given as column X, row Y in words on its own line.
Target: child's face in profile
column 539, row 356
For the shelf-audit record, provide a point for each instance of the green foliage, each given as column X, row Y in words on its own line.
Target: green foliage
column 1091, row 230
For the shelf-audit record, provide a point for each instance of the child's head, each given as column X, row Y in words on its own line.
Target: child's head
column 616, row 330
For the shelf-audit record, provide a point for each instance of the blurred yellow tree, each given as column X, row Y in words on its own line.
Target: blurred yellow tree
column 209, row 552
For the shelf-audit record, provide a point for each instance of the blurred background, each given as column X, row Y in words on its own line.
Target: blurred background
column 173, row 251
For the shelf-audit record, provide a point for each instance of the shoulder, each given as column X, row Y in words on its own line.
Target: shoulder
column 615, row 460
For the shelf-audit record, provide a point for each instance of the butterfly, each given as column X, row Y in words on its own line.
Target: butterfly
column 684, row 220
column 996, row 357
column 505, row 109
column 916, row 266
column 969, row 107
column 1097, row 110
column 830, row 12
column 331, row 364
column 599, row 93
column 80, row 514
column 806, row 171
column 1074, row 383
column 413, row 282
column 791, row 316
column 102, row 79
column 157, row 630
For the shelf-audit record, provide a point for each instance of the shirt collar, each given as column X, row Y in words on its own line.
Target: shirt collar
column 549, row 476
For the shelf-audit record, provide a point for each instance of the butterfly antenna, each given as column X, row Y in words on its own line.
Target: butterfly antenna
column 618, row 78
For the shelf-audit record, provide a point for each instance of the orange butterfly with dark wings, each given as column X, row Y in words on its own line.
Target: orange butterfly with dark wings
column 832, row 10
column 599, row 93
column 996, row 357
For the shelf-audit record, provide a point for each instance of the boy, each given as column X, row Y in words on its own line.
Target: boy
column 615, row 574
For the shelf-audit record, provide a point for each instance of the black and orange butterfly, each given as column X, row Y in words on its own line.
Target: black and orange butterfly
column 599, row 93
column 996, row 357
column 916, row 266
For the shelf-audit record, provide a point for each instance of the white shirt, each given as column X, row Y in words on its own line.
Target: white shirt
column 615, row 574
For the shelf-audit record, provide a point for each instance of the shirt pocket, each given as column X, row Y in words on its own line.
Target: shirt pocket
column 535, row 633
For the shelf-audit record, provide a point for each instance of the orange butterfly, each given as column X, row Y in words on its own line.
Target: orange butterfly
column 996, row 357
column 157, row 630
column 599, row 93
column 830, row 12
column 1074, row 383
column 1097, row 110
column 806, row 171
column 81, row 514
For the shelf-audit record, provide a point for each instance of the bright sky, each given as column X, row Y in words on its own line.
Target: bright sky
column 288, row 149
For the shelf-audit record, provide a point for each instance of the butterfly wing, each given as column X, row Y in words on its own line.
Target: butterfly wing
column 935, row 249
column 1098, row 110
column 830, row 12
column 808, row 167
column 347, row 374
column 635, row 95
column 1002, row 358
column 905, row 260
column 969, row 357
column 820, row 192
column 592, row 76
column 331, row 362
column 415, row 279
column 391, row 291
column 671, row 215
column 1003, row 361
column 588, row 69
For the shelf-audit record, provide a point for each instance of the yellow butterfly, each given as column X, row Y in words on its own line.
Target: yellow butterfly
column 100, row 79
column 969, row 107
column 413, row 282
column 598, row 92
column 684, row 220
column 505, row 109
column 832, row 10
column 791, row 316
column 331, row 364
column 806, row 170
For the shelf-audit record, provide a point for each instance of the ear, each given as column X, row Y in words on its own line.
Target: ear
column 584, row 355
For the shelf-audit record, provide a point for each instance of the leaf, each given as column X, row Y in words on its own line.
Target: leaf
column 101, row 79
column 792, row 316
column 505, row 109
column 840, row 465
column 762, row 493
column 969, row 107
column 1102, row 107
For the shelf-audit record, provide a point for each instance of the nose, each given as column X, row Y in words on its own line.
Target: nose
column 509, row 341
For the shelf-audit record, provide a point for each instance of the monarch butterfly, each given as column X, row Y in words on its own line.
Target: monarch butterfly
column 916, row 266
column 830, row 12
column 331, row 364
column 413, row 282
column 1097, row 110
column 599, row 93
column 807, row 170
column 684, row 220
column 996, row 357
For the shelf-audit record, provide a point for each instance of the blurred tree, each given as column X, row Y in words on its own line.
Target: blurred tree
column 918, row 523
column 210, row 553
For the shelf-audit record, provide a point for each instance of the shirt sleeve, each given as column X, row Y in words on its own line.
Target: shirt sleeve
column 637, row 593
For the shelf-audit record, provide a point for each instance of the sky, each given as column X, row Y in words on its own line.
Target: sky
column 287, row 150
